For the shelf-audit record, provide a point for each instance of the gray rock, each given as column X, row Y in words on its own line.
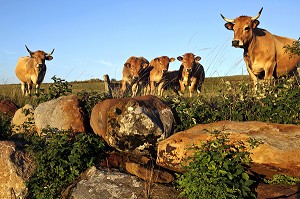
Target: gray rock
column 63, row 113
column 133, row 125
column 95, row 184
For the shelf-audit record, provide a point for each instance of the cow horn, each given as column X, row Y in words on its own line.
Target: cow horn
column 51, row 52
column 257, row 16
column 227, row 20
column 30, row 52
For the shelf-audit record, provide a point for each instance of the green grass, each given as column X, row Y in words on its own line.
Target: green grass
column 13, row 91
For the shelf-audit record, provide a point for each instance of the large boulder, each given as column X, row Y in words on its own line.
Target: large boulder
column 8, row 107
column 63, row 113
column 133, row 125
column 23, row 120
column 98, row 183
column 280, row 148
column 16, row 166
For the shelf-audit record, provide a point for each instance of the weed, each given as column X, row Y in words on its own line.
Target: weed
column 218, row 169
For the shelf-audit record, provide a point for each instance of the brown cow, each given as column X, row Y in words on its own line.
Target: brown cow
column 159, row 66
column 32, row 70
column 135, row 74
column 263, row 52
column 192, row 73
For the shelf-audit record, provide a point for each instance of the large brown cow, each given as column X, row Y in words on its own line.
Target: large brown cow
column 135, row 74
column 192, row 73
column 159, row 66
column 32, row 70
column 263, row 52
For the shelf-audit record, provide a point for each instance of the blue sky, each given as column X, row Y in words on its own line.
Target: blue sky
column 95, row 37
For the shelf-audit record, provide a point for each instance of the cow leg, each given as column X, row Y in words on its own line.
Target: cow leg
column 252, row 76
column 135, row 88
column 24, row 88
column 152, row 86
column 29, row 87
column 192, row 87
column 37, row 89
column 182, row 87
column 160, row 89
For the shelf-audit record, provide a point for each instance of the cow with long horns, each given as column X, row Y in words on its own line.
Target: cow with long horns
column 32, row 70
column 264, row 53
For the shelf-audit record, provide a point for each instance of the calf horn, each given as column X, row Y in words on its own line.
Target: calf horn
column 257, row 16
column 227, row 20
column 30, row 52
column 51, row 52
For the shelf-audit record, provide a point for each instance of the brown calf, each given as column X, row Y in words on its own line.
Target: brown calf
column 159, row 66
column 192, row 73
column 135, row 74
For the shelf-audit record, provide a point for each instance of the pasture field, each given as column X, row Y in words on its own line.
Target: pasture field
column 210, row 87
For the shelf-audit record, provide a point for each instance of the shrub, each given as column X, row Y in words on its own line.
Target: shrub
column 218, row 169
column 59, row 88
column 277, row 103
column 5, row 126
column 283, row 180
column 60, row 157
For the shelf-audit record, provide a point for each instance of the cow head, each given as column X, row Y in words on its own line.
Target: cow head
column 39, row 57
column 135, row 65
column 187, row 61
column 163, row 63
column 243, row 29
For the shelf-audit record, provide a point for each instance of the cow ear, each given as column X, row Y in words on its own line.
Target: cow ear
column 179, row 58
column 49, row 58
column 144, row 65
column 229, row 25
column 255, row 23
column 172, row 59
column 198, row 58
column 127, row 65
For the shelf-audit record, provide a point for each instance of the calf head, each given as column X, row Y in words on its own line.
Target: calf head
column 188, row 61
column 135, row 65
column 39, row 57
column 162, row 63
column 243, row 29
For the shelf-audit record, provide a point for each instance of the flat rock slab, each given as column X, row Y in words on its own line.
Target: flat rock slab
column 280, row 148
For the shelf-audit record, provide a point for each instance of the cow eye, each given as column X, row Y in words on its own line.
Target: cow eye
column 247, row 28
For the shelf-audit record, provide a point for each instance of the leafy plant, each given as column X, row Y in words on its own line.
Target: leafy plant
column 293, row 49
column 60, row 157
column 5, row 126
column 218, row 169
column 283, row 180
column 59, row 88
column 277, row 103
column 90, row 99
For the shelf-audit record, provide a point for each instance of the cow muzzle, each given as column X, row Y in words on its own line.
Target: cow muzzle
column 188, row 70
column 237, row 44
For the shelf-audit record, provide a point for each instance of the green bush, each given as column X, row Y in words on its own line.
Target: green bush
column 218, row 169
column 59, row 88
column 280, row 179
column 275, row 103
column 5, row 126
column 60, row 157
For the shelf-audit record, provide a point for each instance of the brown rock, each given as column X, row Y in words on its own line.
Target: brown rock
column 16, row 166
column 149, row 174
column 280, row 148
column 8, row 107
column 63, row 113
column 133, row 125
